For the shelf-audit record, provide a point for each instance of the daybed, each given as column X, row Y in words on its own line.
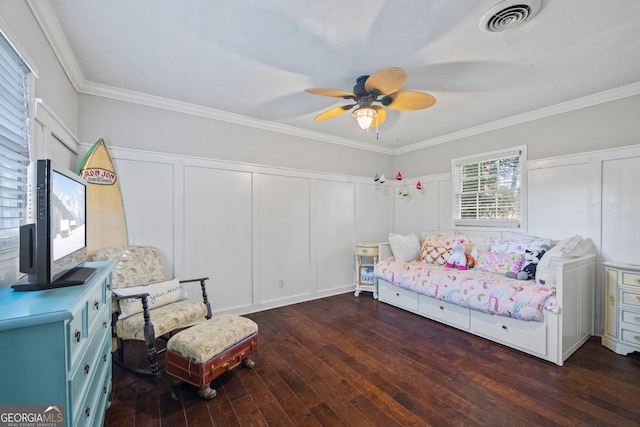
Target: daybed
column 550, row 321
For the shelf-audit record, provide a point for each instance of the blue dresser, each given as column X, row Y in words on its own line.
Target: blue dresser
column 55, row 348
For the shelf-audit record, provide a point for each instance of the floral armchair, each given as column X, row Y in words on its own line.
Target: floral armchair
column 145, row 305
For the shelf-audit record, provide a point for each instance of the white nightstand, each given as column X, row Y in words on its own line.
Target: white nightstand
column 366, row 258
column 622, row 301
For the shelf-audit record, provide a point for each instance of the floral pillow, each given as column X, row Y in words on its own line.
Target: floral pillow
column 492, row 261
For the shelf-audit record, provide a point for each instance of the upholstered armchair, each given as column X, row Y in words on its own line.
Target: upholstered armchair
column 147, row 306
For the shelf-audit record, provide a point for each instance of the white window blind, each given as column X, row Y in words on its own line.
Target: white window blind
column 14, row 144
column 489, row 191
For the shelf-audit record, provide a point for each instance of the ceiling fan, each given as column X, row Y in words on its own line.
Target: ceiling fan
column 382, row 87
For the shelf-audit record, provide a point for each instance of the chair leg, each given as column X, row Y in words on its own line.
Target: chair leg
column 153, row 358
column 119, row 360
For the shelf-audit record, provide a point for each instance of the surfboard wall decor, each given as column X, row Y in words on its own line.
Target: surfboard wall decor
column 106, row 226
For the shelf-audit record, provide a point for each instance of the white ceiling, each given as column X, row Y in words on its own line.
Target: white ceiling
column 250, row 61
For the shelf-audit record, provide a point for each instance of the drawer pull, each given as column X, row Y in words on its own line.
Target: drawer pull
column 87, row 411
column 612, row 300
column 104, row 324
column 104, row 357
column 637, row 318
column 365, row 251
column 441, row 308
column 638, row 298
column 77, row 335
column 504, row 327
column 108, row 287
column 397, row 294
column 96, row 304
column 637, row 337
column 105, row 389
column 86, row 369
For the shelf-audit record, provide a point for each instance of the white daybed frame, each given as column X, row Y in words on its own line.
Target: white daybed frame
column 554, row 340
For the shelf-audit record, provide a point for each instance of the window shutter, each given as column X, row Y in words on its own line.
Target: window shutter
column 488, row 191
column 14, row 145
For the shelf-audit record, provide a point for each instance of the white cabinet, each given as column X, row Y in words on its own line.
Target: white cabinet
column 622, row 308
column 366, row 258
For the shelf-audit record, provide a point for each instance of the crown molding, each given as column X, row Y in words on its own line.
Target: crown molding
column 46, row 18
column 197, row 110
column 565, row 107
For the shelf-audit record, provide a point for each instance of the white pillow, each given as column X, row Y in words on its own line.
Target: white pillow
column 404, row 248
column 160, row 293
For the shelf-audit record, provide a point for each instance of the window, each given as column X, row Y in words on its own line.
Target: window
column 14, row 144
column 489, row 190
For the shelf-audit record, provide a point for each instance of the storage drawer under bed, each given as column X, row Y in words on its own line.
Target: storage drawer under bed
column 399, row 297
column 530, row 336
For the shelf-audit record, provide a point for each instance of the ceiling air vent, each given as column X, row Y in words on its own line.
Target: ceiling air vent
column 508, row 15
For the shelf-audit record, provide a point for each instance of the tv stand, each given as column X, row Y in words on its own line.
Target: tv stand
column 73, row 277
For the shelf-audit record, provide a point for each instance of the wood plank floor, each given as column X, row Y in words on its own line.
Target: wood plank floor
column 346, row 361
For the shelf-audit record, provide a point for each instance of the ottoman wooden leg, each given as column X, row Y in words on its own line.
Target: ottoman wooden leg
column 249, row 363
column 206, row 392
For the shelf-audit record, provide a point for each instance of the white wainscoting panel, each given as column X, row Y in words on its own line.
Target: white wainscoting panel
column 374, row 212
column 334, row 233
column 621, row 210
column 148, row 198
column 284, row 233
column 218, row 234
column 418, row 210
column 559, row 203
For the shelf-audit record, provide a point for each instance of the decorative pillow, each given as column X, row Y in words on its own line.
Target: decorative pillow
column 491, row 261
column 435, row 254
column 404, row 248
column 519, row 246
column 447, row 240
column 160, row 293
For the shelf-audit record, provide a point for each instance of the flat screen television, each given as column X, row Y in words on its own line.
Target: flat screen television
column 54, row 240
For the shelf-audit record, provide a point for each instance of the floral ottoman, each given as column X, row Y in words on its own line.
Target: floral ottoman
column 203, row 352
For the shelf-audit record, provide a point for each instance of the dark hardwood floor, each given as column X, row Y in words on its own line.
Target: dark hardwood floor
column 346, row 361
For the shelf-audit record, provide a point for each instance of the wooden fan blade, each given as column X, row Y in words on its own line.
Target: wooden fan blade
column 380, row 117
column 332, row 113
column 331, row 92
column 387, row 80
column 410, row 100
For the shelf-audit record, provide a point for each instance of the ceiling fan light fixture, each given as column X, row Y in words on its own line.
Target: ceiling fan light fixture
column 364, row 116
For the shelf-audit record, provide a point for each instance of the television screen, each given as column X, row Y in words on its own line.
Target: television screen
column 53, row 242
column 67, row 215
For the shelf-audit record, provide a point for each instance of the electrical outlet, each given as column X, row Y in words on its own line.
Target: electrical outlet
column 281, row 282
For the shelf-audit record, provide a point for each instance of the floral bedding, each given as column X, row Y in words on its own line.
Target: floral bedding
column 478, row 290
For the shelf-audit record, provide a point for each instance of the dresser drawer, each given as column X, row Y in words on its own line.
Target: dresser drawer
column 76, row 336
column 531, row 336
column 443, row 311
column 630, row 334
column 98, row 354
column 397, row 296
column 95, row 303
column 630, row 297
column 632, row 279
column 630, row 317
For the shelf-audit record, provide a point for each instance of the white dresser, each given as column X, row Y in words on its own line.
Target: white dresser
column 55, row 351
column 622, row 313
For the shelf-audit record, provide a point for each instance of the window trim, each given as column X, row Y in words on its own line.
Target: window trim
column 9, row 245
column 491, row 224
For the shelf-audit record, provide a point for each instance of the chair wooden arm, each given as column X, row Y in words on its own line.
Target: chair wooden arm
column 149, row 332
column 203, row 287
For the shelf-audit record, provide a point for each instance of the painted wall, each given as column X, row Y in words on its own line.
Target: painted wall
column 128, row 125
column 599, row 127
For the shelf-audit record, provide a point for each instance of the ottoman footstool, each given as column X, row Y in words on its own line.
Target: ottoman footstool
column 200, row 354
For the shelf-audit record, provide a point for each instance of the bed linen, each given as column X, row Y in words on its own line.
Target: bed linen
column 477, row 290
